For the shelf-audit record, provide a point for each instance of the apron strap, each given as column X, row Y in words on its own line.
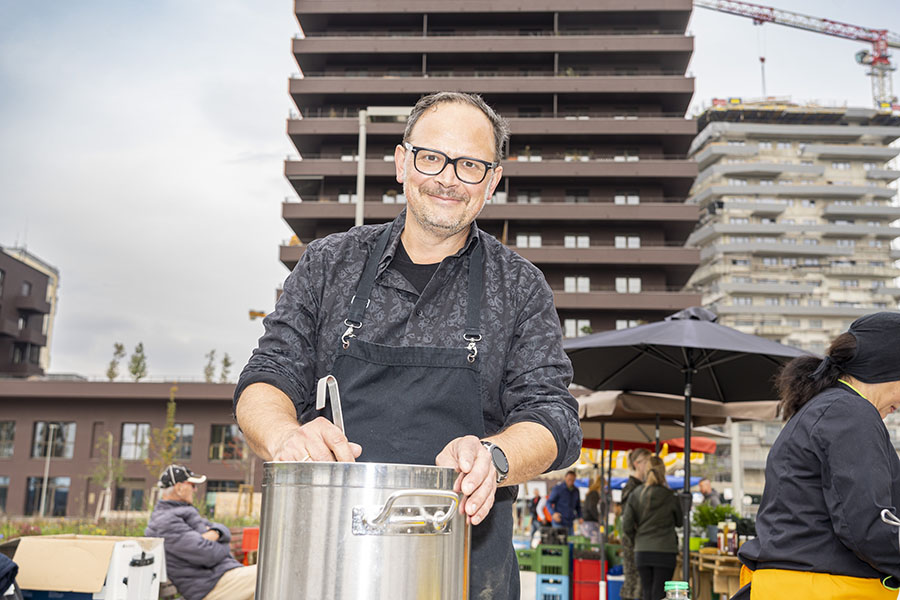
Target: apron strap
column 473, row 302
column 360, row 301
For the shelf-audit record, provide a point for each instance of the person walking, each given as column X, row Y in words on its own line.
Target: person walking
column 592, row 516
column 565, row 503
column 652, row 513
column 638, row 461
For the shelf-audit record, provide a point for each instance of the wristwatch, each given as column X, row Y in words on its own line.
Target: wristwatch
column 498, row 457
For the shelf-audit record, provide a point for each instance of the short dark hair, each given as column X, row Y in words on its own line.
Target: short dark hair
column 498, row 123
column 570, row 472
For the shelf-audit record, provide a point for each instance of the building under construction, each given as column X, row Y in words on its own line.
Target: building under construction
column 798, row 204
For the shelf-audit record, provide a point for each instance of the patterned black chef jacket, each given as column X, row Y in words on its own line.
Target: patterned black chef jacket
column 524, row 372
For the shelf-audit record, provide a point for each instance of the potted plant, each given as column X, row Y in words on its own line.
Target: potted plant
column 706, row 521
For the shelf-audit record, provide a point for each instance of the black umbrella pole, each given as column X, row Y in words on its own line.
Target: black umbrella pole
column 686, row 494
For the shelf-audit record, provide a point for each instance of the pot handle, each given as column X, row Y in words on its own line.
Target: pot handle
column 438, row 520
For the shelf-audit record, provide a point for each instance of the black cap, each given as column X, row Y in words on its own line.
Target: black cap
column 177, row 474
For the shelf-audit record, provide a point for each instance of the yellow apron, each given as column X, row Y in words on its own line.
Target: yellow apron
column 779, row 584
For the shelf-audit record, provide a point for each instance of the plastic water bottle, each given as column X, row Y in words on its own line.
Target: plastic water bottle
column 677, row 590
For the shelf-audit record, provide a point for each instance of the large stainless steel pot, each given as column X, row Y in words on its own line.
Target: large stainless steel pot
column 361, row 530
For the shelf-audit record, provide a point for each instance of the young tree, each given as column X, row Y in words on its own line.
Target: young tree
column 209, row 371
column 226, row 368
column 118, row 354
column 110, row 470
column 138, row 365
column 161, row 448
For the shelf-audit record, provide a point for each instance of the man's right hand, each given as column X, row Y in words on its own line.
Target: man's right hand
column 319, row 440
column 557, row 517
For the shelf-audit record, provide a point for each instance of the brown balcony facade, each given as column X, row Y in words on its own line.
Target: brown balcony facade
column 33, row 304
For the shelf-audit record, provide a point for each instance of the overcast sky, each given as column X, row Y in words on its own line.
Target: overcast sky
column 141, row 149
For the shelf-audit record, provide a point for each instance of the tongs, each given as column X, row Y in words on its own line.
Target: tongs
column 328, row 385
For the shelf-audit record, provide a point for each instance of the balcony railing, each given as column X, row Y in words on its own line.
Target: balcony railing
column 612, row 288
column 381, row 73
column 388, row 156
column 351, row 112
column 488, row 33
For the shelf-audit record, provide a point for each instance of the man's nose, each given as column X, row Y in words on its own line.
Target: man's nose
column 447, row 177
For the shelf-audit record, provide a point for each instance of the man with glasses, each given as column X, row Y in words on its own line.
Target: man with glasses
column 445, row 343
column 198, row 554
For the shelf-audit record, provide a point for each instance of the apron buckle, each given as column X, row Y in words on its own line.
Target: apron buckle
column 351, row 325
column 472, row 338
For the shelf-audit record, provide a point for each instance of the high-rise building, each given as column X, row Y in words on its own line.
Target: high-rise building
column 595, row 173
column 797, row 208
column 28, row 293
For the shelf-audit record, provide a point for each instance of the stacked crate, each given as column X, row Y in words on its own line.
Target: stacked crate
column 587, row 576
column 554, row 563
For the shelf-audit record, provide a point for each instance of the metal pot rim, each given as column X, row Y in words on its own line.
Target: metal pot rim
column 363, row 475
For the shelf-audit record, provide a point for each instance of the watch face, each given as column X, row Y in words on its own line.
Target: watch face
column 499, row 459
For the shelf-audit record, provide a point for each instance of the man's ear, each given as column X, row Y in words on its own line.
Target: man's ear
column 399, row 162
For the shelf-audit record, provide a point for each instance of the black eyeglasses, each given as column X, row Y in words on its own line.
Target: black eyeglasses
column 433, row 162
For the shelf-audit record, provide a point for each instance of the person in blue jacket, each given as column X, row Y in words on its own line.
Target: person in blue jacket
column 198, row 555
column 565, row 503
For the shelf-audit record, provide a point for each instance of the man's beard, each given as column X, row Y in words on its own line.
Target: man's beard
column 429, row 220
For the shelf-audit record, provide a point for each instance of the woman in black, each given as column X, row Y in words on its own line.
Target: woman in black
column 651, row 515
column 831, row 473
column 638, row 461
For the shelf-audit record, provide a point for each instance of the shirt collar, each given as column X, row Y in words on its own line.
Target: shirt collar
column 397, row 228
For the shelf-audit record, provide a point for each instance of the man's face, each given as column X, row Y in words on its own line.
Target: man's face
column 442, row 205
column 705, row 487
column 570, row 480
column 185, row 491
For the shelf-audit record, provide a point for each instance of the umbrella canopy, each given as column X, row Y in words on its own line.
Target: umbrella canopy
column 688, row 352
column 727, row 365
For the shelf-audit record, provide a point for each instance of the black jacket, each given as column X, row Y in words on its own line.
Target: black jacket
column 828, row 476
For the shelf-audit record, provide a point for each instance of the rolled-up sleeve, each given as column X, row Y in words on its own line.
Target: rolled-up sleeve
column 286, row 353
column 538, row 373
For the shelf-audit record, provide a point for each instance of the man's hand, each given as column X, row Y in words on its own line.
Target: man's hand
column 212, row 535
column 319, row 440
column 477, row 480
column 557, row 517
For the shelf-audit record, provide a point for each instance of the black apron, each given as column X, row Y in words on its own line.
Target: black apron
column 403, row 404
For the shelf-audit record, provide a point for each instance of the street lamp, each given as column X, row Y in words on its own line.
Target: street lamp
column 364, row 114
column 53, row 427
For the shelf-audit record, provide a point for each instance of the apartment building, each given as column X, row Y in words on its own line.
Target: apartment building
column 596, row 171
column 798, row 205
column 28, row 296
column 62, row 426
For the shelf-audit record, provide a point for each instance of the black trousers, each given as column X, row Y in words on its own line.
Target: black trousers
column 655, row 570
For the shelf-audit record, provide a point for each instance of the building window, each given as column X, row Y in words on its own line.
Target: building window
column 184, row 439
column 737, row 181
column 850, row 283
column 628, row 285
column 792, row 301
column 56, row 498
column 770, row 261
column 789, row 262
column 794, row 323
column 528, row 240
column 627, row 197
column 528, row 196
column 576, row 327
column 840, row 165
column 130, row 495
column 226, row 443
column 63, row 439
column 772, row 301
column 766, row 182
column 765, row 145
column 577, row 196
column 628, row 241
column 815, row 323
column 135, row 441
column 4, row 489
column 26, row 288
column 626, row 323
column 784, row 145
column 7, row 438
column 741, row 300
column 627, row 155
column 576, row 241
column 577, row 284
column 845, row 243
column 739, row 220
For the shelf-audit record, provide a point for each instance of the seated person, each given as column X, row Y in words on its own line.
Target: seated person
column 198, row 557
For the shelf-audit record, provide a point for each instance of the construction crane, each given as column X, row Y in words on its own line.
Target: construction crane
column 878, row 60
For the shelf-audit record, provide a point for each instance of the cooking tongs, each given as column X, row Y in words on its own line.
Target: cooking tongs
column 330, row 385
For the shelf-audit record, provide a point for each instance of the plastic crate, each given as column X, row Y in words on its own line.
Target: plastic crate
column 579, row 541
column 527, row 559
column 585, row 590
column 587, row 571
column 614, row 585
column 552, row 587
column 553, row 560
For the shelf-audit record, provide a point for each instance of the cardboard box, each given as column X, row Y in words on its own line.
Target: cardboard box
column 88, row 564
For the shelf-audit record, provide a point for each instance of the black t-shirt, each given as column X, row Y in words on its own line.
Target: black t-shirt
column 418, row 275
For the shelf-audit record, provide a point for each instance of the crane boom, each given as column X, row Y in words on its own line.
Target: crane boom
column 881, row 39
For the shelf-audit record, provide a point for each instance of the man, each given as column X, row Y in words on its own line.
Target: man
column 445, row 343
column 198, row 556
column 565, row 502
column 535, row 515
column 710, row 496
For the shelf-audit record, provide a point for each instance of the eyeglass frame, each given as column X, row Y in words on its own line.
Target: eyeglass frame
column 449, row 161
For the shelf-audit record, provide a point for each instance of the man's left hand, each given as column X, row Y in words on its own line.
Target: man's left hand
column 477, row 480
column 212, row 535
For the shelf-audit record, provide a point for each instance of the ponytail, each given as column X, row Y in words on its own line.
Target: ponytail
column 806, row 376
